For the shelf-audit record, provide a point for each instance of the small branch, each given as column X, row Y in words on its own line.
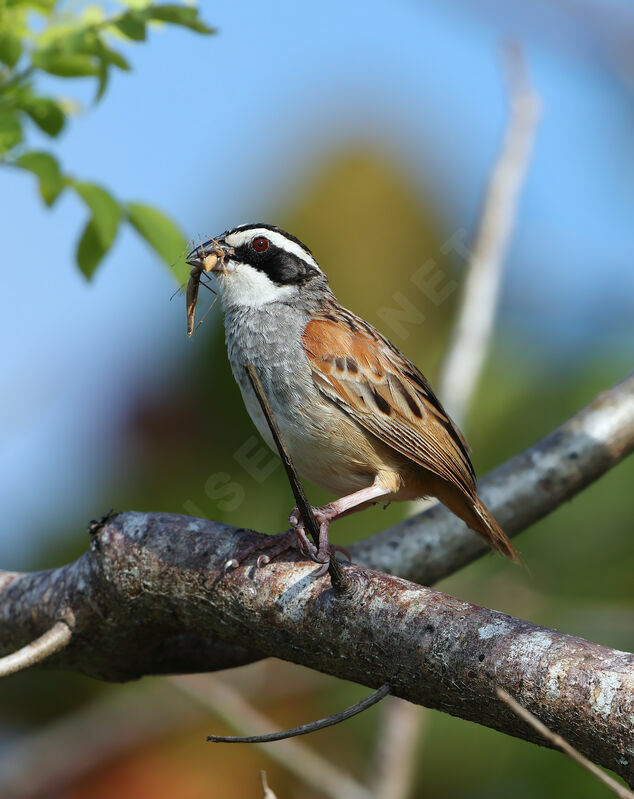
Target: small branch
column 297, row 758
column 305, row 729
column 398, row 749
column 472, row 332
column 267, row 793
column 339, row 580
column 560, row 743
column 51, row 641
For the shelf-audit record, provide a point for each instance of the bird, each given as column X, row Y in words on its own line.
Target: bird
column 359, row 419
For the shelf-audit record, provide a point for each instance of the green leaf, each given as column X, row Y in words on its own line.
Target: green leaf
column 161, row 234
column 179, row 15
column 43, row 5
column 102, row 80
column 112, row 57
column 46, row 168
column 46, row 113
column 66, row 65
column 106, row 212
column 106, row 58
column 10, row 48
column 90, row 250
column 10, row 131
column 88, row 42
column 131, row 25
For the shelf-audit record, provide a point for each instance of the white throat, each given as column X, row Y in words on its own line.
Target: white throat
column 243, row 285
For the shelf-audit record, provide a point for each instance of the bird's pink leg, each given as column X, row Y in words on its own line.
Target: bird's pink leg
column 334, row 510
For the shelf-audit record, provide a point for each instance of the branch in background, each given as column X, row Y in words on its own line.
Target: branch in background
column 398, row 749
column 559, row 743
column 267, row 793
column 150, row 580
column 434, row 544
column 465, row 358
column 296, row 757
column 473, row 329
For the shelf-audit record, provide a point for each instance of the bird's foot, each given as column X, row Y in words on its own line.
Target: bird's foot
column 324, row 515
column 322, row 553
column 268, row 547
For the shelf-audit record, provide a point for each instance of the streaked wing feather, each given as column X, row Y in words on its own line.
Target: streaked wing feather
column 357, row 368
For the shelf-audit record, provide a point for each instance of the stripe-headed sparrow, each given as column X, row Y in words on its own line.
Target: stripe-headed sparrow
column 358, row 418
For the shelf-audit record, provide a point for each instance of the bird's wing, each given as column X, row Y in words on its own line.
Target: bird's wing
column 358, row 369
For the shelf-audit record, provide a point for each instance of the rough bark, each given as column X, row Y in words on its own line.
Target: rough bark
column 151, row 582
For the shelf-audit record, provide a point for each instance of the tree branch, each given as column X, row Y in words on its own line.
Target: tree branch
column 476, row 317
column 435, row 543
column 151, row 581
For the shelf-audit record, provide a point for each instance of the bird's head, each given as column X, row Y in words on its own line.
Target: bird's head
column 261, row 264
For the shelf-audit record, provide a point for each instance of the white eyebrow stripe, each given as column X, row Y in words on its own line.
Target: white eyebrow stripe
column 240, row 237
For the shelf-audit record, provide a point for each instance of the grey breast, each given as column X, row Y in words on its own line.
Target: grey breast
column 269, row 337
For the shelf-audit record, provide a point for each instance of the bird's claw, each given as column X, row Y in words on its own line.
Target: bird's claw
column 325, row 565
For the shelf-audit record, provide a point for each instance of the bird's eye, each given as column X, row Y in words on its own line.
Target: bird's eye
column 260, row 244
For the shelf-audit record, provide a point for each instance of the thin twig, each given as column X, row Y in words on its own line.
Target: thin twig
column 52, row 641
column 311, row 726
column 267, row 793
column 560, row 743
column 465, row 358
column 464, row 361
column 397, row 749
column 340, row 581
column 294, row 756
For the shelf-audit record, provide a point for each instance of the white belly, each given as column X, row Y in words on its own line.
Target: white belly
column 318, row 440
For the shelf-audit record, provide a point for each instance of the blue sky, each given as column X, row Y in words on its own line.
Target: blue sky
column 219, row 130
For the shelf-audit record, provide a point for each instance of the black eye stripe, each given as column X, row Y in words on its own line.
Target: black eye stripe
column 282, row 267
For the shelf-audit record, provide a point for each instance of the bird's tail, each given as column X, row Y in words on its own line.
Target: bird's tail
column 474, row 513
column 470, row 508
column 484, row 523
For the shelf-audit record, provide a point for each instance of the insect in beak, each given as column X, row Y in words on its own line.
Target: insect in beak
column 203, row 262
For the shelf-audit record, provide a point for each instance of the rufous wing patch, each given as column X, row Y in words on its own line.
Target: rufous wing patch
column 372, row 381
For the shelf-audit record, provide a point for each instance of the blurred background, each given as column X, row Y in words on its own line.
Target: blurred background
column 351, row 125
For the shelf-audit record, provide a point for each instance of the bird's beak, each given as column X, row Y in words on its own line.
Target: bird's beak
column 199, row 255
